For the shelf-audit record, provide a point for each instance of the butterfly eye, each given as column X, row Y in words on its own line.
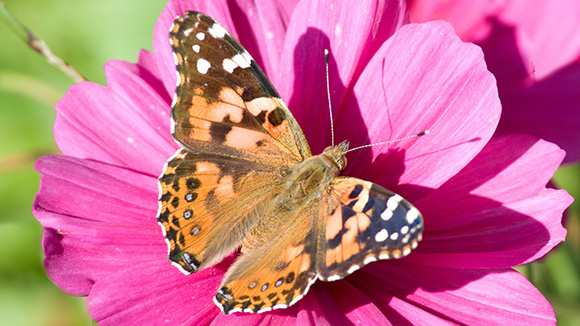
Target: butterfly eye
column 342, row 162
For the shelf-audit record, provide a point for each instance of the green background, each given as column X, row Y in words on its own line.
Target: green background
column 87, row 34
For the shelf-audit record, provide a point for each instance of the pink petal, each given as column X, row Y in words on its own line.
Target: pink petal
column 288, row 6
column 355, row 304
column 549, row 31
column 547, row 109
column 469, row 18
column 422, row 78
column 97, row 219
column 493, row 213
column 155, row 294
column 351, row 40
column 277, row 317
column 457, row 295
column 504, row 56
column 260, row 27
column 150, row 73
column 121, row 124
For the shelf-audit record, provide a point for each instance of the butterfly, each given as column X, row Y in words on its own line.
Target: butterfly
column 244, row 177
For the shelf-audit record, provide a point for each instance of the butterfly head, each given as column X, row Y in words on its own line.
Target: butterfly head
column 337, row 154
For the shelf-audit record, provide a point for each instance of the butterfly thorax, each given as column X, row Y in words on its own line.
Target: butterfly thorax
column 310, row 179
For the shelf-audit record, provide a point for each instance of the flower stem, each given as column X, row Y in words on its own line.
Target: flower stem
column 37, row 44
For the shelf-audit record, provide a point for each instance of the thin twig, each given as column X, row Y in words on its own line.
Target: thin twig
column 37, row 44
column 13, row 162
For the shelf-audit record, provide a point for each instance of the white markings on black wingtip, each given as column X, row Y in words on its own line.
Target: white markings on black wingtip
column 381, row 235
column 229, row 65
column 200, row 36
column 386, row 214
column 393, row 202
column 217, row 31
column 412, row 215
column 196, row 48
column 243, row 60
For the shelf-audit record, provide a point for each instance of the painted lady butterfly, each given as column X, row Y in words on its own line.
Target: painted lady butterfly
column 244, row 176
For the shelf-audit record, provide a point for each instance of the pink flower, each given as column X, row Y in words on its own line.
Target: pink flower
column 534, row 51
column 485, row 203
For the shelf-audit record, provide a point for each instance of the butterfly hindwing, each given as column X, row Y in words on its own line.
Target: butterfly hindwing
column 224, row 104
column 277, row 272
column 367, row 223
column 207, row 205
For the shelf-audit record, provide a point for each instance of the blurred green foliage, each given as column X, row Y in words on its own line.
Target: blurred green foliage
column 87, row 34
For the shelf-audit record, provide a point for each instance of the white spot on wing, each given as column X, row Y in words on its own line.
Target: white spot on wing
column 200, row 36
column 203, row 66
column 244, row 59
column 393, row 202
column 217, row 31
column 384, row 256
column 196, row 48
column 381, row 235
column 177, row 78
column 387, row 214
column 370, row 259
column 412, row 215
column 333, row 278
column 394, row 236
column 404, row 229
column 352, row 269
column 229, row 65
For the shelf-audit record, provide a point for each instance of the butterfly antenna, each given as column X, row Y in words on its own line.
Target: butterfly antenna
column 326, row 59
column 422, row 133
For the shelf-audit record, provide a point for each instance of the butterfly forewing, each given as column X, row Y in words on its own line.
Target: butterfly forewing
column 224, row 103
column 368, row 223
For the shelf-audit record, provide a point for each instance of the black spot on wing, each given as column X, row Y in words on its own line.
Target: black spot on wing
column 218, row 132
column 356, row 191
column 276, row 117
